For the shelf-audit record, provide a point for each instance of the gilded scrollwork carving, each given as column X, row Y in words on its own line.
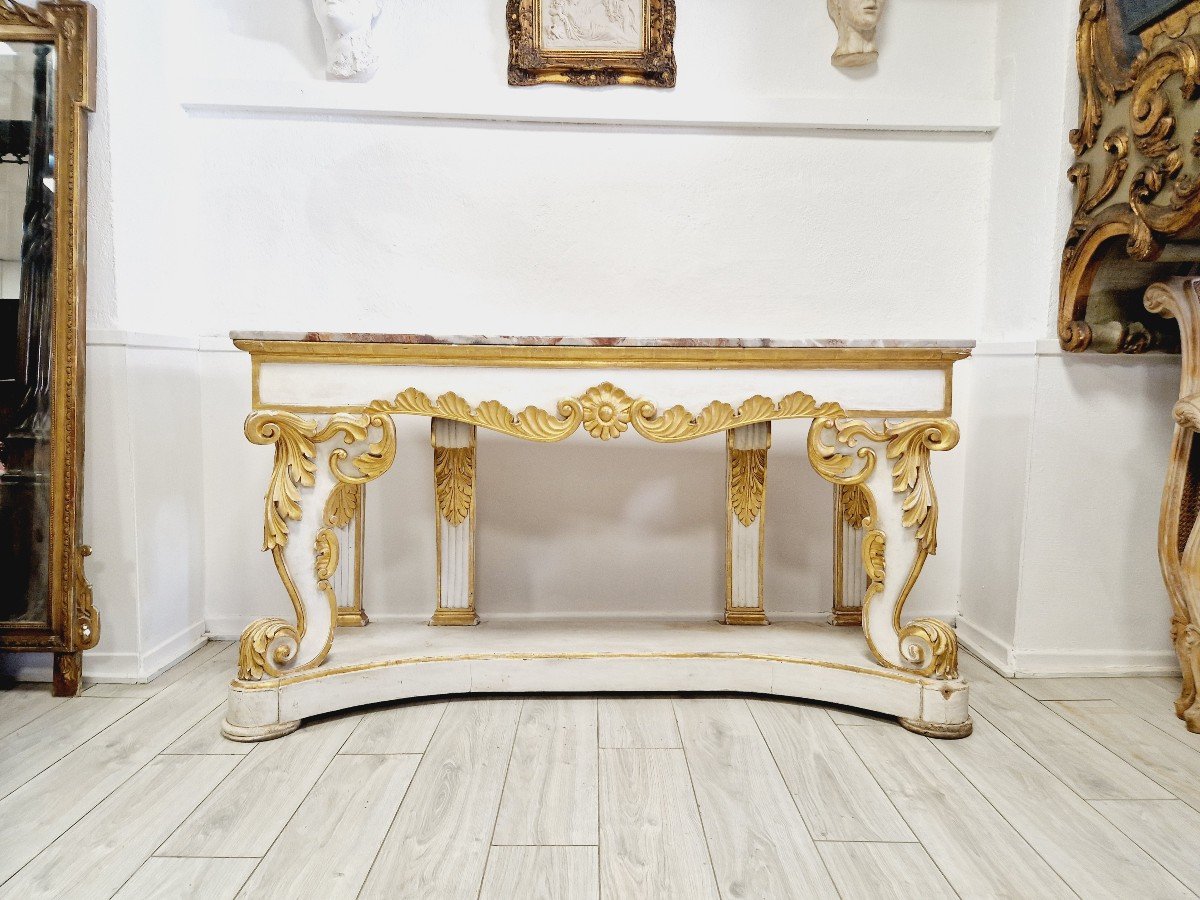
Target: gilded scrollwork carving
column 1149, row 193
column 14, row 13
column 931, row 646
column 874, row 562
column 268, row 646
column 678, row 424
column 926, row 646
column 605, row 412
column 87, row 619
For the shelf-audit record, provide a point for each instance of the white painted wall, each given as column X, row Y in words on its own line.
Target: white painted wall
column 768, row 195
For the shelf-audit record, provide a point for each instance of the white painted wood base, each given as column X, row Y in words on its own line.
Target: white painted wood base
column 401, row 661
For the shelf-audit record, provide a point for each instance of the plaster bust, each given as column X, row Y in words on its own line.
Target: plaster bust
column 856, row 21
column 349, row 29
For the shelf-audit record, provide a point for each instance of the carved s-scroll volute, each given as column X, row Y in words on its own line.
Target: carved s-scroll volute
column 901, row 529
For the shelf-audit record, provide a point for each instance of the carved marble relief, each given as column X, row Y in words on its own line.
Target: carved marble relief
column 592, row 24
column 349, row 30
column 591, row 42
column 856, row 21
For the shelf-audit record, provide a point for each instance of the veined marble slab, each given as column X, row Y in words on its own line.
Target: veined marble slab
column 338, row 337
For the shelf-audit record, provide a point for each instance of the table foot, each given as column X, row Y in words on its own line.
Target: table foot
column 938, row 730
column 737, row 616
column 248, row 734
column 454, row 617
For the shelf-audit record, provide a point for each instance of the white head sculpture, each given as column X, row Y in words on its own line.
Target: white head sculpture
column 856, row 21
column 349, row 29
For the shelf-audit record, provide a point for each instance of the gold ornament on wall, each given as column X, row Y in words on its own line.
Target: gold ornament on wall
column 1136, row 175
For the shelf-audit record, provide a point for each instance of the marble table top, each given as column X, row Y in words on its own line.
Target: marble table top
column 561, row 341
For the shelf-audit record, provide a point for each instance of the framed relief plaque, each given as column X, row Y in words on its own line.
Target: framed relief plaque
column 591, row 42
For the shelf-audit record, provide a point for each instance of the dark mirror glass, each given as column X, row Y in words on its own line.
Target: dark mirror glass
column 27, row 79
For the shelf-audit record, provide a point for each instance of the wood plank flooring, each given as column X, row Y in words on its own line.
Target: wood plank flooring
column 1068, row 788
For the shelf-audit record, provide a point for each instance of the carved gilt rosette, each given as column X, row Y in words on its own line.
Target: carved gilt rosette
column 908, row 503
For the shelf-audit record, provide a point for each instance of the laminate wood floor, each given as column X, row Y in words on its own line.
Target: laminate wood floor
column 1069, row 788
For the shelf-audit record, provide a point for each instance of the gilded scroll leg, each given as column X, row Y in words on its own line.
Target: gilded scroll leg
column 745, row 511
column 1179, row 554
column 349, row 576
column 900, row 529
column 320, row 467
column 454, row 492
column 1178, row 544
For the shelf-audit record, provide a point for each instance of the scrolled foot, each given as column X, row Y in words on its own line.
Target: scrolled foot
column 248, row 734
column 938, row 729
column 1191, row 718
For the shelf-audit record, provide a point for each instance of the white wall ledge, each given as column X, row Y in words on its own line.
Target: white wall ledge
column 547, row 106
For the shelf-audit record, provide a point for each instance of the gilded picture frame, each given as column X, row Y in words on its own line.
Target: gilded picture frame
column 72, row 624
column 591, row 42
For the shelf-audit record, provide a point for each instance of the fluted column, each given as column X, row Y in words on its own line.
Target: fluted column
column 454, row 491
column 746, row 477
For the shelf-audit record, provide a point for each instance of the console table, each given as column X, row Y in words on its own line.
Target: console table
column 326, row 403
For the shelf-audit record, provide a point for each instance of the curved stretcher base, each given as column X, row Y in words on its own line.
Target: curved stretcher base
column 389, row 662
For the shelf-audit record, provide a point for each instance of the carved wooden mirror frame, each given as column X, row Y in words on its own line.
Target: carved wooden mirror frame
column 73, row 622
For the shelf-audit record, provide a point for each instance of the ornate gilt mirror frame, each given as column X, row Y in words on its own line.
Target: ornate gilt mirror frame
column 73, row 626
column 651, row 65
column 1136, row 173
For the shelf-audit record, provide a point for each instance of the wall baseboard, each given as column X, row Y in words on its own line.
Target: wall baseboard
column 118, row 668
column 1016, row 663
column 170, row 651
column 985, row 646
column 112, row 668
column 1062, row 663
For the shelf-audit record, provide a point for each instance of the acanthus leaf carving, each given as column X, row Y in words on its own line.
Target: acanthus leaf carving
column 605, row 412
column 909, row 444
column 267, row 645
column 14, row 13
column 855, row 505
column 874, row 561
column 295, row 467
column 748, row 481
column 454, row 480
column 342, row 505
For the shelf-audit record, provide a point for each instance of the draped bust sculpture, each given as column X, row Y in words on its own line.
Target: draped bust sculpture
column 856, row 21
column 349, row 29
